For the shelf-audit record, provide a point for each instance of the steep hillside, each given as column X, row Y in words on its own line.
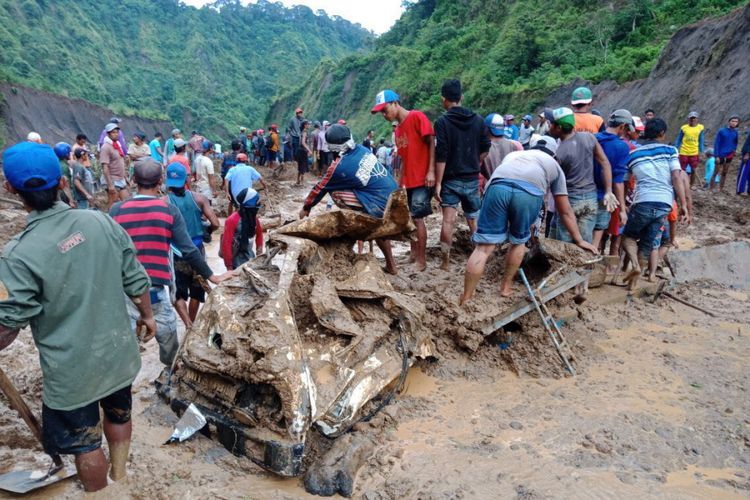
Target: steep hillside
column 510, row 55
column 58, row 118
column 210, row 68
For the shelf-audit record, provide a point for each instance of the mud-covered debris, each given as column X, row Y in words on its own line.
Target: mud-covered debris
column 337, row 469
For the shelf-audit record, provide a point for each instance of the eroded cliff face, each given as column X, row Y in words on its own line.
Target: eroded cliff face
column 705, row 67
column 58, row 118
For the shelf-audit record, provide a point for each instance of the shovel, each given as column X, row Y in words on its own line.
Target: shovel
column 25, row 481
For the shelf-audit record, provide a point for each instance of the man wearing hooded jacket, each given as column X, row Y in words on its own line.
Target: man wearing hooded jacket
column 461, row 147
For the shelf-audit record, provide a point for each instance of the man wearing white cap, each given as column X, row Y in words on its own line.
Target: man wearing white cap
column 690, row 145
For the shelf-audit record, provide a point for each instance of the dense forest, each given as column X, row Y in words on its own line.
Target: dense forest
column 212, row 68
column 509, row 54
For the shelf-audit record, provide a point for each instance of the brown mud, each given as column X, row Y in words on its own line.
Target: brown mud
column 658, row 409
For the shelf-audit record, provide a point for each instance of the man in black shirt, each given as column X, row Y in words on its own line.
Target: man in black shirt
column 461, row 147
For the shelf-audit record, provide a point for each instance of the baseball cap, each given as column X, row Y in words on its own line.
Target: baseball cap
column 639, row 126
column 342, row 122
column 561, row 116
column 298, row 110
column 545, row 143
column 693, row 114
column 241, row 157
column 509, row 117
column 496, row 124
column 178, row 143
column 176, row 175
column 527, row 117
column 581, row 95
column 27, row 161
column 622, row 116
column 147, row 171
column 326, row 123
column 274, row 126
column 110, row 127
column 206, row 145
column 383, row 98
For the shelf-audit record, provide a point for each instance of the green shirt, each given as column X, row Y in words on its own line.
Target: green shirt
column 67, row 275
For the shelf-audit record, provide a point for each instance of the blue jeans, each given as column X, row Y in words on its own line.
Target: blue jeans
column 646, row 221
column 585, row 208
column 166, row 323
column 419, row 201
column 463, row 192
column 602, row 217
column 507, row 214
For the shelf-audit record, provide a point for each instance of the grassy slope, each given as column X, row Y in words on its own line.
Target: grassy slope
column 206, row 68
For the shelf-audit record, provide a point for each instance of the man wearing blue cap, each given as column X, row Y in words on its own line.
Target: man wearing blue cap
column 203, row 169
column 87, row 348
column 524, row 133
column 194, row 207
column 239, row 188
column 501, row 145
column 414, row 138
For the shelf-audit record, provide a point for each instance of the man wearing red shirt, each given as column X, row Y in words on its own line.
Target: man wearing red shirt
column 415, row 143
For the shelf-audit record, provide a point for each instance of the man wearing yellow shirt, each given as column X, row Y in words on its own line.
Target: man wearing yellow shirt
column 689, row 144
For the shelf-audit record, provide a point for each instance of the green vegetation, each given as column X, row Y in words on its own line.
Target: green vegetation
column 509, row 54
column 212, row 68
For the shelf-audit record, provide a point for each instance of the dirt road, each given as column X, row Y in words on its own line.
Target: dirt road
column 659, row 409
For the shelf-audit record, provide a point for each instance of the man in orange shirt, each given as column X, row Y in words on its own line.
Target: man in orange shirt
column 585, row 120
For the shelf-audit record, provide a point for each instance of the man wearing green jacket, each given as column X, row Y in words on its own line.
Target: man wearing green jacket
column 66, row 275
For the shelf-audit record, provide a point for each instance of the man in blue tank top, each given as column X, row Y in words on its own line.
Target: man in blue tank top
column 194, row 207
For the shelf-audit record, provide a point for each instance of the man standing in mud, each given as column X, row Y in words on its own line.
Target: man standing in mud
column 585, row 121
column 295, row 129
column 461, row 147
column 155, row 226
column 725, row 146
column 690, row 144
column 415, row 139
column 87, row 348
column 576, row 154
column 512, row 202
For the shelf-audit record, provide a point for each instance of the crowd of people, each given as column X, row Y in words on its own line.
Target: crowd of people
column 86, row 275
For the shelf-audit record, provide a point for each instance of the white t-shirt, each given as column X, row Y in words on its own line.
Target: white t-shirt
column 203, row 168
column 652, row 165
column 533, row 167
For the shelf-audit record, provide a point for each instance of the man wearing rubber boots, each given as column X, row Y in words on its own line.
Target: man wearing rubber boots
column 87, row 349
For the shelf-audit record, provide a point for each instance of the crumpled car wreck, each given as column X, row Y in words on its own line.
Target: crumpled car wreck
column 308, row 338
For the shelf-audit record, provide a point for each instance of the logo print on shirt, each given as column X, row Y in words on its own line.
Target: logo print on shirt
column 370, row 167
column 71, row 242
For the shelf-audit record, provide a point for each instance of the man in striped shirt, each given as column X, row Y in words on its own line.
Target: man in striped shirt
column 154, row 225
column 656, row 169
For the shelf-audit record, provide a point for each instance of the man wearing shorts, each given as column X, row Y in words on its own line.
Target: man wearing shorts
column 112, row 159
column 459, row 151
column 576, row 155
column 87, row 349
column 616, row 150
column 725, row 145
column 194, row 207
column 511, row 205
column 416, row 147
column 689, row 144
column 657, row 174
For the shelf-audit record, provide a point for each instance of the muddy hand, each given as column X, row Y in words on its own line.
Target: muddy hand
column 145, row 328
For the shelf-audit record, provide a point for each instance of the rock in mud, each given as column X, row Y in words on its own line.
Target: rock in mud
column 336, row 471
